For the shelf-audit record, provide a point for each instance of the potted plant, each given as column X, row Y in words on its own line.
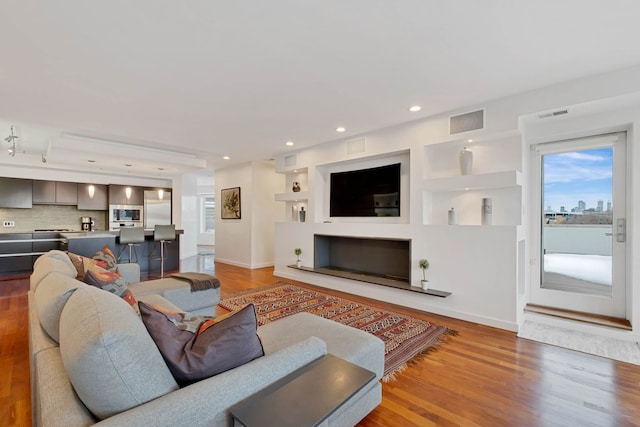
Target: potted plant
column 298, row 251
column 424, row 264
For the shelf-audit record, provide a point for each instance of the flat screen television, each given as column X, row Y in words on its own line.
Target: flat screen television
column 366, row 192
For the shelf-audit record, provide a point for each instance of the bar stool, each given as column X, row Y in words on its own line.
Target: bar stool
column 162, row 235
column 131, row 236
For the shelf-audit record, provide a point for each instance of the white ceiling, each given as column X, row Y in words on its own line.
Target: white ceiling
column 240, row 78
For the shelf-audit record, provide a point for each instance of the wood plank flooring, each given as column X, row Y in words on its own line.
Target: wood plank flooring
column 481, row 377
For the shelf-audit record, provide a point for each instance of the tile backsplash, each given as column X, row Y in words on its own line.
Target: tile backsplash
column 49, row 216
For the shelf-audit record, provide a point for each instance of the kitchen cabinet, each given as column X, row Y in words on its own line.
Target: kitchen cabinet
column 55, row 192
column 100, row 200
column 16, row 193
column 15, row 252
column 118, row 195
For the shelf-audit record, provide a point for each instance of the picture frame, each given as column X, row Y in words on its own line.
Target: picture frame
column 231, row 208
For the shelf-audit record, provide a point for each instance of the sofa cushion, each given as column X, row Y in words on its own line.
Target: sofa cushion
column 110, row 358
column 198, row 347
column 50, row 297
column 110, row 282
column 49, row 263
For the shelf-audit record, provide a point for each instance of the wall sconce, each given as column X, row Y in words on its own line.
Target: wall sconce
column 161, row 194
column 127, row 192
column 92, row 191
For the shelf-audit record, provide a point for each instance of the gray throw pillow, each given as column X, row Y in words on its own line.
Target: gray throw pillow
column 198, row 347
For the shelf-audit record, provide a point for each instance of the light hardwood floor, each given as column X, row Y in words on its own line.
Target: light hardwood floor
column 481, row 377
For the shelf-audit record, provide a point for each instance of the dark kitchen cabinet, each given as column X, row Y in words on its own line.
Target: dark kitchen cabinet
column 55, row 192
column 99, row 202
column 15, row 249
column 16, row 193
column 44, row 191
column 118, row 195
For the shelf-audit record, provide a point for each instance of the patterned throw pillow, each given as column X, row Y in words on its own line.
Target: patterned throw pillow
column 110, row 282
column 198, row 347
column 103, row 258
column 105, row 254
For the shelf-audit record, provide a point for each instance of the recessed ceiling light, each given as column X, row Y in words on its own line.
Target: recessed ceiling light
column 289, row 143
column 470, row 140
column 340, row 129
column 226, row 157
column 415, row 108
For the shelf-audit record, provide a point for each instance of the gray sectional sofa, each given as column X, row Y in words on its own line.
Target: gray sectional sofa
column 89, row 349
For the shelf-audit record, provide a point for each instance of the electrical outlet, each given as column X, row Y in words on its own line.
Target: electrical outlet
column 9, row 223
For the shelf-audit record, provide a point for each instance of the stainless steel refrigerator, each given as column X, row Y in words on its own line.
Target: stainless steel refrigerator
column 156, row 210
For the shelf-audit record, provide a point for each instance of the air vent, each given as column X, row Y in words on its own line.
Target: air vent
column 553, row 114
column 356, row 146
column 466, row 122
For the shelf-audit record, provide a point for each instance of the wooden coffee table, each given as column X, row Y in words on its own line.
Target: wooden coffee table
column 305, row 397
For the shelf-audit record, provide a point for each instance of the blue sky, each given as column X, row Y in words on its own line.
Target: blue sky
column 581, row 175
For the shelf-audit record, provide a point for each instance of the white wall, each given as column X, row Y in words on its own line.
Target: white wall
column 248, row 241
column 487, row 269
column 185, row 213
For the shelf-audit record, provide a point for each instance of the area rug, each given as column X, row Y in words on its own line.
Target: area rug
column 405, row 337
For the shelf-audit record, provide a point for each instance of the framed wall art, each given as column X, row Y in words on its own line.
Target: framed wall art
column 231, row 203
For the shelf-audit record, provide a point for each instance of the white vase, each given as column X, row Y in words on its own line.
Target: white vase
column 466, row 161
column 452, row 217
column 298, row 263
column 424, row 284
column 487, row 211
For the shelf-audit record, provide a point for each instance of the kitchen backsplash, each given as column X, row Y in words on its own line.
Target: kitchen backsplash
column 49, row 216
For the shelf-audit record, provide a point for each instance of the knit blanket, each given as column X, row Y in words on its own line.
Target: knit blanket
column 198, row 281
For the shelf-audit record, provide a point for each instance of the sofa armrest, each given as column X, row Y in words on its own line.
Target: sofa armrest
column 207, row 403
column 130, row 272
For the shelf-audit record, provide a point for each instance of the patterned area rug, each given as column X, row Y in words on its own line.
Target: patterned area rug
column 404, row 337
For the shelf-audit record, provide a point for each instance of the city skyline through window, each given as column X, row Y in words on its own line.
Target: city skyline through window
column 578, row 181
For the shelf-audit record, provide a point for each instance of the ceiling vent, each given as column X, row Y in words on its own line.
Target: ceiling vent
column 553, row 114
column 466, row 122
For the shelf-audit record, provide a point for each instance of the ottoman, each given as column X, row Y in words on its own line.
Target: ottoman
column 179, row 293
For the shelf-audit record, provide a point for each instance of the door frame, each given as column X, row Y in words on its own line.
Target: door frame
column 569, row 300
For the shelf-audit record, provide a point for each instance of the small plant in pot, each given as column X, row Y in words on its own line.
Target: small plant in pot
column 424, row 264
column 298, row 251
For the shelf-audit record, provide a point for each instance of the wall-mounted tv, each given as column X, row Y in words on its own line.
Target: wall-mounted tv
column 366, row 192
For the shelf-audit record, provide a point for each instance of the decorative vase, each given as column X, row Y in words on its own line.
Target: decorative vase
column 424, row 284
column 296, row 187
column 453, row 217
column 487, row 209
column 303, row 214
column 298, row 263
column 466, row 161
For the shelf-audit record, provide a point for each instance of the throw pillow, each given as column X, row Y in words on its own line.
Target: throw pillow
column 110, row 282
column 108, row 354
column 103, row 258
column 198, row 347
column 106, row 255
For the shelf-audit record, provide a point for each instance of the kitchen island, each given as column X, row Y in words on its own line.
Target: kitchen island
column 19, row 250
column 88, row 243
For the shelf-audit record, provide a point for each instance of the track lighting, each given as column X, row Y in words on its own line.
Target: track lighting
column 11, row 139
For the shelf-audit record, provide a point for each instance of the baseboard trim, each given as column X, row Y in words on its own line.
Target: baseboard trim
column 579, row 316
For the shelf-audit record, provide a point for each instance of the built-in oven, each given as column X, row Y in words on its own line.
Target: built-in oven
column 125, row 216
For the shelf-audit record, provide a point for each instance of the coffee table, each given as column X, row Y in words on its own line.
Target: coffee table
column 305, row 397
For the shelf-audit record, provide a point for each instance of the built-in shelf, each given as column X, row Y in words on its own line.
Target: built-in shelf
column 384, row 281
column 483, row 181
column 292, row 197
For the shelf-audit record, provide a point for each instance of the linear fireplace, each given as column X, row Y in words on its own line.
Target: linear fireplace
column 376, row 260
